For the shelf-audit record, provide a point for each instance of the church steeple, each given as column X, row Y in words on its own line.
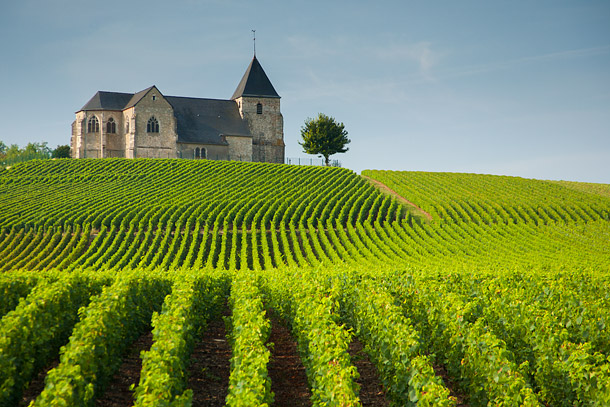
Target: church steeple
column 259, row 105
column 255, row 83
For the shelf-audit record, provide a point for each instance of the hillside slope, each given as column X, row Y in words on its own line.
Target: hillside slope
column 495, row 199
column 174, row 213
column 100, row 192
column 500, row 299
column 590, row 187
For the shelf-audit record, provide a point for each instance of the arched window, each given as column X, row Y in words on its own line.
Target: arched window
column 111, row 126
column 152, row 126
column 127, row 126
column 93, row 125
column 200, row 153
column 259, row 108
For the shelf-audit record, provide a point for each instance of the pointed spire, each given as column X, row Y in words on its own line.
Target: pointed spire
column 255, row 83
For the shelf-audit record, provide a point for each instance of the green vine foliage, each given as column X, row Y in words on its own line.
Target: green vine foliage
column 504, row 284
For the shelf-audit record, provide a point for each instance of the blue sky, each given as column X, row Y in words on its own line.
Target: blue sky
column 500, row 87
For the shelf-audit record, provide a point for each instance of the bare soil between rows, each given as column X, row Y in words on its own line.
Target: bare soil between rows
column 210, row 365
column 372, row 393
column 286, row 370
column 118, row 392
column 209, row 370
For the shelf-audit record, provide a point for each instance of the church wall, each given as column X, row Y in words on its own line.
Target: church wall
column 240, row 148
column 268, row 153
column 267, row 129
column 129, row 131
column 155, row 152
column 114, row 143
column 213, row 152
column 73, row 140
column 77, row 142
column 155, row 145
column 90, row 143
column 98, row 144
column 115, row 146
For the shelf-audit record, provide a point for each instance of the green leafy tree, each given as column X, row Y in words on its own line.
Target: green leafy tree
column 39, row 150
column 61, row 152
column 3, row 148
column 13, row 152
column 324, row 136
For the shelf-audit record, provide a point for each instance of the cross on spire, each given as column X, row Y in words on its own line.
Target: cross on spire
column 254, row 41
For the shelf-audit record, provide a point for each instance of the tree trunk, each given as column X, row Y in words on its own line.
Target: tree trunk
column 326, row 161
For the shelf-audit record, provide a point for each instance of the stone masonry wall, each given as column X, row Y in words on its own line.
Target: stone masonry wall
column 267, row 129
column 240, row 148
column 155, row 145
column 88, row 145
column 129, row 131
column 77, row 142
column 213, row 152
column 99, row 144
column 114, row 143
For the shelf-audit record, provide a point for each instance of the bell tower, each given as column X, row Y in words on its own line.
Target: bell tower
column 259, row 105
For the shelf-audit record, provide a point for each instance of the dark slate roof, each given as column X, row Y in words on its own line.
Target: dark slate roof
column 107, row 101
column 137, row 97
column 255, row 83
column 198, row 120
column 206, row 120
column 114, row 100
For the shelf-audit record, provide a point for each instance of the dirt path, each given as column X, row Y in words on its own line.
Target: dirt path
column 372, row 393
column 451, row 384
column 384, row 188
column 286, row 370
column 37, row 384
column 211, row 365
column 117, row 393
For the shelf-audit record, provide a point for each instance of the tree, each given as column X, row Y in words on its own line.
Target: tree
column 61, row 152
column 33, row 151
column 12, row 154
column 323, row 135
column 37, row 149
column 3, row 149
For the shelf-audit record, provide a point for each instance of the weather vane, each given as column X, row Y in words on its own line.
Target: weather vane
column 254, row 40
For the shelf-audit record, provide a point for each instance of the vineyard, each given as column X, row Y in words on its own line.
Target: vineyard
column 494, row 292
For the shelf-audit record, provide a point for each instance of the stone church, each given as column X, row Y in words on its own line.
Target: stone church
column 148, row 124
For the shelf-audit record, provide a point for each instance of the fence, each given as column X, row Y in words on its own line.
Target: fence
column 310, row 161
column 121, row 154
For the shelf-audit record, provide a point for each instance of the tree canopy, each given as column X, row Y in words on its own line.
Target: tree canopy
column 32, row 151
column 324, row 136
column 61, row 152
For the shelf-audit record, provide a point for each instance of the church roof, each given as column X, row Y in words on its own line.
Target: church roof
column 207, row 120
column 137, row 97
column 255, row 83
column 198, row 120
column 103, row 100
column 107, row 101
